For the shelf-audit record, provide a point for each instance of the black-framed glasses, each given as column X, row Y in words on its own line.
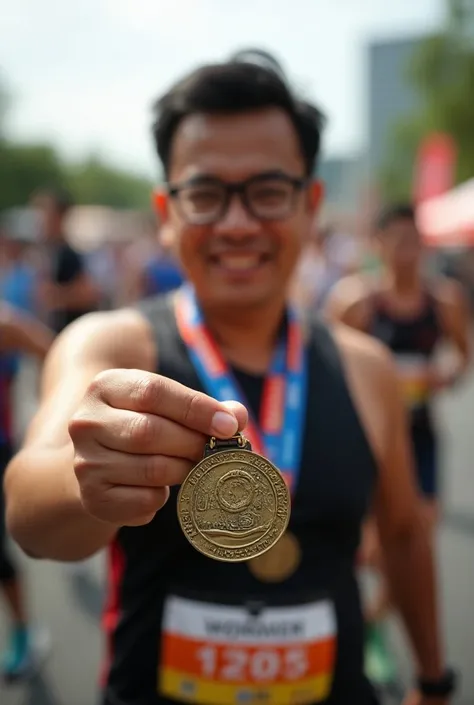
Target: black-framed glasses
column 268, row 196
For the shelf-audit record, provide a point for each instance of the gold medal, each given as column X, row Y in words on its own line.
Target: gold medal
column 279, row 563
column 234, row 505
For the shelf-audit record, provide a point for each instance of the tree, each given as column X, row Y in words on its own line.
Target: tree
column 442, row 72
column 95, row 182
column 24, row 168
column 4, row 105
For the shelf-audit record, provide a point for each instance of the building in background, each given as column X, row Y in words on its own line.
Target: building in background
column 388, row 94
column 341, row 177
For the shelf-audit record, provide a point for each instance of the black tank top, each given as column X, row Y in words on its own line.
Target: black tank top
column 413, row 341
column 159, row 580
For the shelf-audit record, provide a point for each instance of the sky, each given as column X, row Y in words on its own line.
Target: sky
column 84, row 73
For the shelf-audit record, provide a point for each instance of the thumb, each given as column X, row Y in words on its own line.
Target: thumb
column 239, row 411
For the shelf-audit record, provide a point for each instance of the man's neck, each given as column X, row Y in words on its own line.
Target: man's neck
column 407, row 283
column 246, row 337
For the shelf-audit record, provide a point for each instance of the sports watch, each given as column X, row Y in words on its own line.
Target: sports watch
column 440, row 688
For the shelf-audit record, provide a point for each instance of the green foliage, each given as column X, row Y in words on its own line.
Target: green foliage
column 25, row 168
column 441, row 71
column 94, row 182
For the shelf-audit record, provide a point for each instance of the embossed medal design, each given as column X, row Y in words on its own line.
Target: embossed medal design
column 234, row 505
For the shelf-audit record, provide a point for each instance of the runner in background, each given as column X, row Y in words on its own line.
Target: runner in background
column 330, row 255
column 66, row 290
column 19, row 333
column 161, row 273
column 413, row 315
column 19, row 236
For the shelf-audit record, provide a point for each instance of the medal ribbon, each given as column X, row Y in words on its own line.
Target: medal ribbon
column 279, row 432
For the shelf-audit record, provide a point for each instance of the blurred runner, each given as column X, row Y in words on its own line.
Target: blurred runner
column 161, row 274
column 158, row 271
column 113, row 439
column 412, row 314
column 19, row 231
column 19, row 333
column 329, row 256
column 67, row 291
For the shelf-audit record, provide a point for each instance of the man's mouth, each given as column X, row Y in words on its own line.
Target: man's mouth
column 233, row 262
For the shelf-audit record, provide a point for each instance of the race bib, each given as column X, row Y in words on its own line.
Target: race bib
column 413, row 372
column 224, row 655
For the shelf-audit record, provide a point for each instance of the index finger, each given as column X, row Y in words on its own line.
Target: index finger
column 142, row 391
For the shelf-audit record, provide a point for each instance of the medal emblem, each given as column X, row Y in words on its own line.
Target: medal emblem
column 234, row 505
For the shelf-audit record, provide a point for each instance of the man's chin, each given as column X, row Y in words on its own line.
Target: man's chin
column 234, row 296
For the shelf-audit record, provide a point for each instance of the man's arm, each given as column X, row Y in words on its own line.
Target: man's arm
column 406, row 542
column 453, row 310
column 349, row 303
column 21, row 333
column 44, row 511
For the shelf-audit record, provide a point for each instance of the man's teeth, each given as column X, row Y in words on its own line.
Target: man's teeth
column 239, row 262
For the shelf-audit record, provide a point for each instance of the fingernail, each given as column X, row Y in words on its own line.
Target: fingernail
column 223, row 424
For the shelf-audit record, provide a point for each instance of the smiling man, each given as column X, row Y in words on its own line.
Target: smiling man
column 131, row 397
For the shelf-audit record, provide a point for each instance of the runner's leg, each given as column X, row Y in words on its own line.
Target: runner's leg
column 426, row 455
column 17, row 660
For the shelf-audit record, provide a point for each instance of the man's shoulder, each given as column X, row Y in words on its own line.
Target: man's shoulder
column 122, row 337
column 364, row 353
column 353, row 289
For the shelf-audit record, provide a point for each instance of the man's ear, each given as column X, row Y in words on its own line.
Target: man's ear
column 316, row 194
column 160, row 204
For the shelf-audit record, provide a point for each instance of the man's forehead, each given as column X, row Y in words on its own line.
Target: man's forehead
column 235, row 145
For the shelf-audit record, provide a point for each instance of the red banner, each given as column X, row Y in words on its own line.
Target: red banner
column 434, row 168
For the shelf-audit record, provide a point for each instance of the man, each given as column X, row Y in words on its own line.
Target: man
column 412, row 315
column 67, row 291
column 19, row 333
column 112, row 439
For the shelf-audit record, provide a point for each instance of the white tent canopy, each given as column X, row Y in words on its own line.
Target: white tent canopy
column 448, row 220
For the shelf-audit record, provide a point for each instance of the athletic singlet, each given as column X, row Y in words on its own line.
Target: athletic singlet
column 413, row 342
column 184, row 628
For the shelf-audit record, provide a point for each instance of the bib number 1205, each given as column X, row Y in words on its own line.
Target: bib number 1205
column 252, row 665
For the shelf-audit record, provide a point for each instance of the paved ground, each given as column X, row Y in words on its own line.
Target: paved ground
column 70, row 605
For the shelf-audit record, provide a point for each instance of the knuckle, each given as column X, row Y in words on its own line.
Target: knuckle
column 193, row 408
column 81, row 425
column 82, row 465
column 142, row 430
column 98, row 383
column 148, row 502
column 145, row 391
column 153, row 471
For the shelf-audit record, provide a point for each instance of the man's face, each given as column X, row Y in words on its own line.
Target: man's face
column 400, row 244
column 240, row 259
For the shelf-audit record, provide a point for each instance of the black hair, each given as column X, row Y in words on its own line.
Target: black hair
column 261, row 58
column 394, row 212
column 236, row 86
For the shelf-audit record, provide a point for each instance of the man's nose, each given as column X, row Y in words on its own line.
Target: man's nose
column 237, row 219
